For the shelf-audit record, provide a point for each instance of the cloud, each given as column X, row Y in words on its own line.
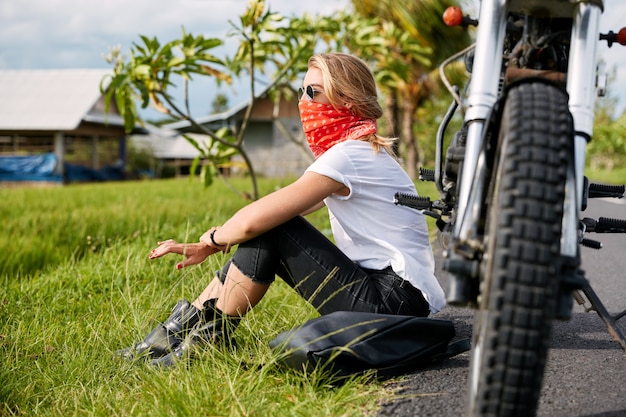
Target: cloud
column 75, row 33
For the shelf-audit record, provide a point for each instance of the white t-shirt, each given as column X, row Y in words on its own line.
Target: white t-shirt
column 368, row 227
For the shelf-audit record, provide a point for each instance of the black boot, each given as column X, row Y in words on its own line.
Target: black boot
column 167, row 335
column 216, row 328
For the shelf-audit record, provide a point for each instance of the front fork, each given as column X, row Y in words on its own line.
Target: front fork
column 462, row 257
column 464, row 252
column 581, row 87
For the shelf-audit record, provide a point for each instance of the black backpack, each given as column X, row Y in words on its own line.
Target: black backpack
column 349, row 343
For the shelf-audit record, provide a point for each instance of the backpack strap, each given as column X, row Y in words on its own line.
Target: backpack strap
column 454, row 348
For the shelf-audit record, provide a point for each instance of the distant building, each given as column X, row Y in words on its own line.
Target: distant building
column 57, row 117
column 266, row 140
column 168, row 149
column 53, row 128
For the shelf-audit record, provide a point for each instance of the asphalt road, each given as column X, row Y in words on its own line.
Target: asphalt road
column 586, row 371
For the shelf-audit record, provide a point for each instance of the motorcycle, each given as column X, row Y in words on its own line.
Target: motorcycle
column 512, row 188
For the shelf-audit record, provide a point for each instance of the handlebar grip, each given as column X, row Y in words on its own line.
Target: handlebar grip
column 608, row 225
column 605, row 190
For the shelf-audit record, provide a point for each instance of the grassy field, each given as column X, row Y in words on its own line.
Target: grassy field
column 615, row 176
column 77, row 285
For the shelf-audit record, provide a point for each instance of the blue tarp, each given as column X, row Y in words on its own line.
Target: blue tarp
column 29, row 168
column 42, row 168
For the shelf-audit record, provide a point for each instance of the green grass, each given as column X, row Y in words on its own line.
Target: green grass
column 614, row 176
column 77, row 285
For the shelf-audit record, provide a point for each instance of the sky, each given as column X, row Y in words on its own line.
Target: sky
column 54, row 34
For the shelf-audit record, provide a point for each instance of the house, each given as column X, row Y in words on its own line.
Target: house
column 167, row 149
column 53, row 127
column 267, row 138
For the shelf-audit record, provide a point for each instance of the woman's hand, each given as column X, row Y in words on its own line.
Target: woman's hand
column 208, row 239
column 194, row 253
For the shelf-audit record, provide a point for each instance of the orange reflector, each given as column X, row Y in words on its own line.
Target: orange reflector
column 621, row 36
column 453, row 16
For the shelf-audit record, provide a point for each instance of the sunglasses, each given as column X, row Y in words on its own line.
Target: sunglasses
column 308, row 92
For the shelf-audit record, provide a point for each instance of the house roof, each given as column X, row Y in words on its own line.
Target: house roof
column 210, row 118
column 51, row 100
column 164, row 144
column 217, row 117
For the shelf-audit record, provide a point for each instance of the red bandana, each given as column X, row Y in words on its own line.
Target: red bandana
column 325, row 126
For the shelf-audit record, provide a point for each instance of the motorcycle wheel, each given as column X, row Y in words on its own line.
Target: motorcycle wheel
column 521, row 263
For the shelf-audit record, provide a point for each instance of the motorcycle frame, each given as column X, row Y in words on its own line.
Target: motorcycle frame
column 483, row 95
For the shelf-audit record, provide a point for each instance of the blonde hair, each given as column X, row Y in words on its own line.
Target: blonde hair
column 349, row 82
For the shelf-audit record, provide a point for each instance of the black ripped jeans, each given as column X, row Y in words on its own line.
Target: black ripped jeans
column 322, row 274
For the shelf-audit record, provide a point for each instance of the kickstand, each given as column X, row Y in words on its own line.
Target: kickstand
column 609, row 320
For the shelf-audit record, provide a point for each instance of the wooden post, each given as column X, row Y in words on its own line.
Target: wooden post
column 59, row 151
column 94, row 152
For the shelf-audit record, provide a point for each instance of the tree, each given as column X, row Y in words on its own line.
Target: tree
column 150, row 75
column 608, row 146
column 406, row 40
column 281, row 47
column 268, row 42
column 219, row 104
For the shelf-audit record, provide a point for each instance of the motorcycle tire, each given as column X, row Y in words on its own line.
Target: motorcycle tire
column 521, row 264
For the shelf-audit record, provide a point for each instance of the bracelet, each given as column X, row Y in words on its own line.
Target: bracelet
column 211, row 235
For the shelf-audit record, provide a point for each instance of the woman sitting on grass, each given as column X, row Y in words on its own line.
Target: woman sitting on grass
column 382, row 261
